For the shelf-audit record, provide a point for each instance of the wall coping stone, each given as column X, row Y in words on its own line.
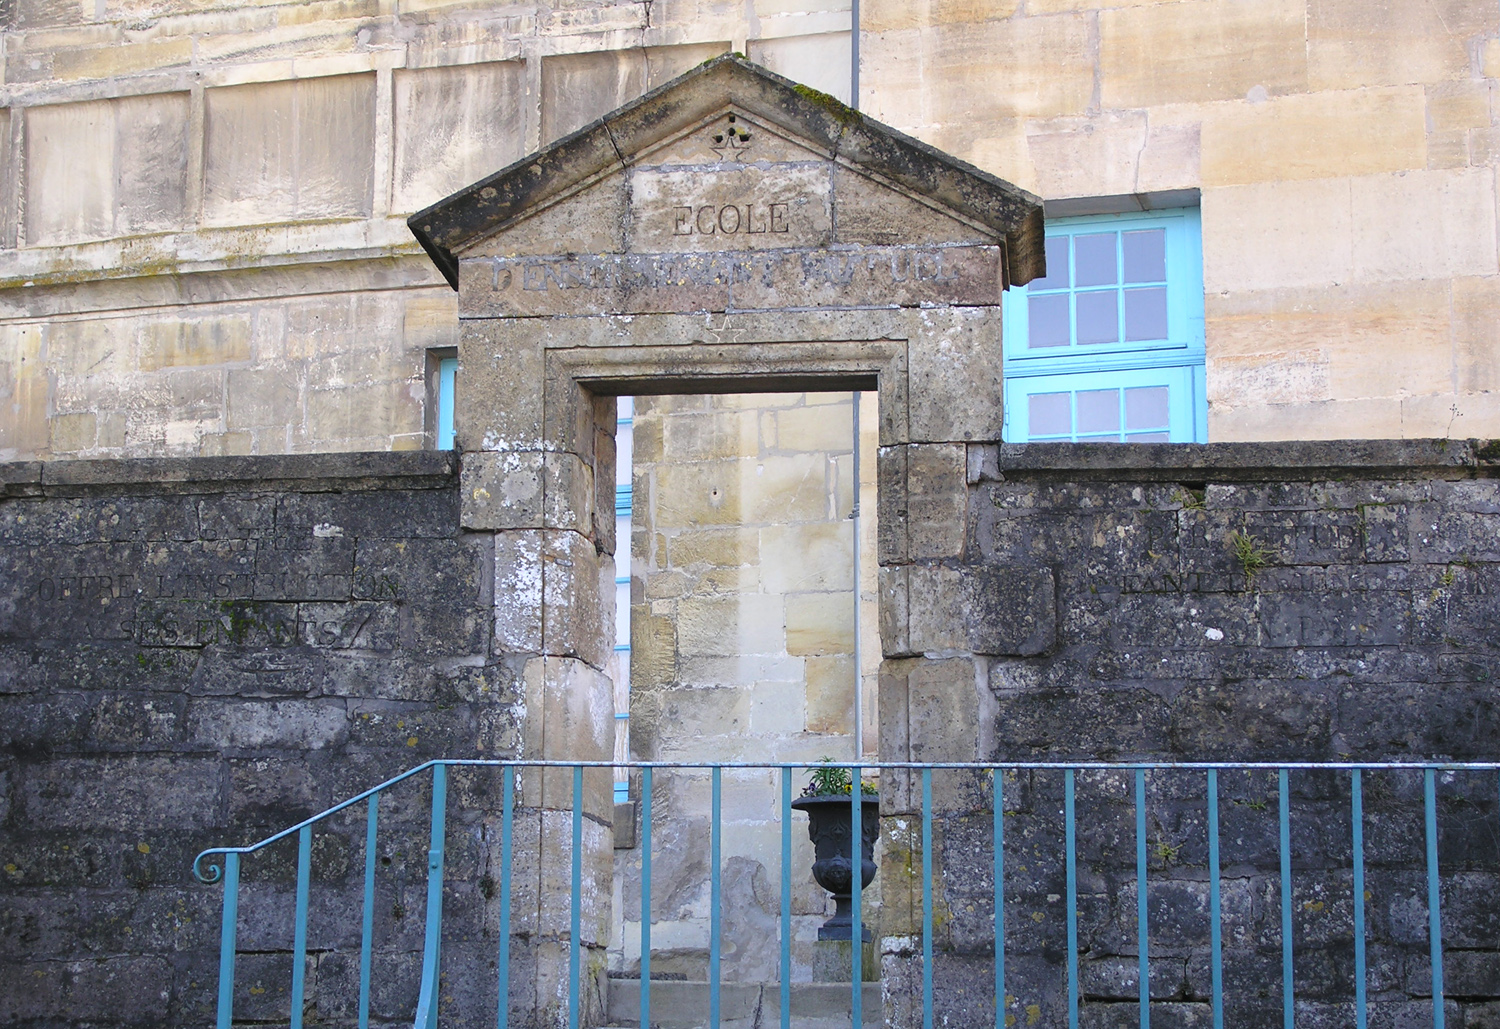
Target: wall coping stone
column 1237, row 462
column 307, row 473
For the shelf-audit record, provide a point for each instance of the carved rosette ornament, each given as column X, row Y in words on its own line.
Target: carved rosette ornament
column 830, row 825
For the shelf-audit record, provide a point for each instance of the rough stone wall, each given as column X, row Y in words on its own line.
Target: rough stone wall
column 1356, row 622
column 742, row 650
column 201, row 653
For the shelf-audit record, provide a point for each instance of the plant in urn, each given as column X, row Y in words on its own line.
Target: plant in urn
column 828, row 801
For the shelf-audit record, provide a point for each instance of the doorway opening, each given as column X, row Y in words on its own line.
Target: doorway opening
column 743, row 522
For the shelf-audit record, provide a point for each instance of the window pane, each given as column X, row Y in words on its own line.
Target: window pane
column 1147, row 437
column 1146, row 407
column 1113, row 437
column 1146, row 313
column 1099, row 410
column 1048, row 315
column 1050, row 414
column 1095, row 259
column 1057, row 265
column 1145, row 255
column 1098, row 317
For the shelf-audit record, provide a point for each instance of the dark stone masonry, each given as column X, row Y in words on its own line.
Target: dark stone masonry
column 202, row 652
column 1301, row 602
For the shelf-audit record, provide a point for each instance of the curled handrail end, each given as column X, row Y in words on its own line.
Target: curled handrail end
column 215, row 873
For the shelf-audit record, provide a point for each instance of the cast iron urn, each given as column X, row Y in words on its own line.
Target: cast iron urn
column 830, row 826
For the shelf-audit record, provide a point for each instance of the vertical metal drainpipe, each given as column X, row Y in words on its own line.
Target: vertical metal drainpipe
column 859, row 678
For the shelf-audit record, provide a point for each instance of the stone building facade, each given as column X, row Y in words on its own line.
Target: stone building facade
column 202, row 204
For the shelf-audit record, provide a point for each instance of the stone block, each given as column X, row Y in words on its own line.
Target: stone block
column 788, row 488
column 733, row 207
column 825, row 428
column 367, row 411
column 819, row 61
column 1476, row 336
column 709, row 436
column 778, row 709
column 296, row 149
column 830, row 694
column 810, row 557
column 206, row 341
column 1250, row 240
column 577, row 88
column 937, row 500
column 1315, row 136
column 454, row 126
column 262, row 398
column 502, row 490
column 145, row 793
column 1348, row 48
column 730, row 626
column 870, row 213
column 957, row 84
column 497, row 402
column 950, row 352
column 590, row 221
column 1000, row 611
column 1422, row 225
column 576, row 622
column 1203, row 50
column 133, row 180
column 730, row 547
column 815, row 626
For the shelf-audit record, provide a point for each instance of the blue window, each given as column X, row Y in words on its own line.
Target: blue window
column 1109, row 346
column 447, row 369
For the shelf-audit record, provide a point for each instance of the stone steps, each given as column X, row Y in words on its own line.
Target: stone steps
column 677, row 1004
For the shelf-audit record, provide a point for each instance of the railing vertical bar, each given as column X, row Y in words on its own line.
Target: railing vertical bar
column 714, row 886
column 1142, row 933
column 1215, row 915
column 575, row 928
column 1284, row 819
column 299, row 925
column 998, row 845
column 786, row 899
column 1357, row 812
column 1434, row 898
column 1070, row 854
column 367, row 927
column 427, row 1001
column 507, row 842
column 926, row 898
column 646, row 897
column 227, row 930
column 856, row 887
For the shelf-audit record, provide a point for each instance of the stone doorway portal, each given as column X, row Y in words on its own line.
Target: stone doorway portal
column 729, row 232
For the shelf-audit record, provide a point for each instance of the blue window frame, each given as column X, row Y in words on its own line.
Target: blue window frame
column 447, row 370
column 1109, row 346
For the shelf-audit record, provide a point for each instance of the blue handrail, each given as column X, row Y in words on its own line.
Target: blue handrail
column 225, row 863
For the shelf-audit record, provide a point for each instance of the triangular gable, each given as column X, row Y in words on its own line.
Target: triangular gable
column 804, row 117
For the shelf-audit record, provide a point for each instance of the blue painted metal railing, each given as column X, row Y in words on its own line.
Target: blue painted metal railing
column 207, row 869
